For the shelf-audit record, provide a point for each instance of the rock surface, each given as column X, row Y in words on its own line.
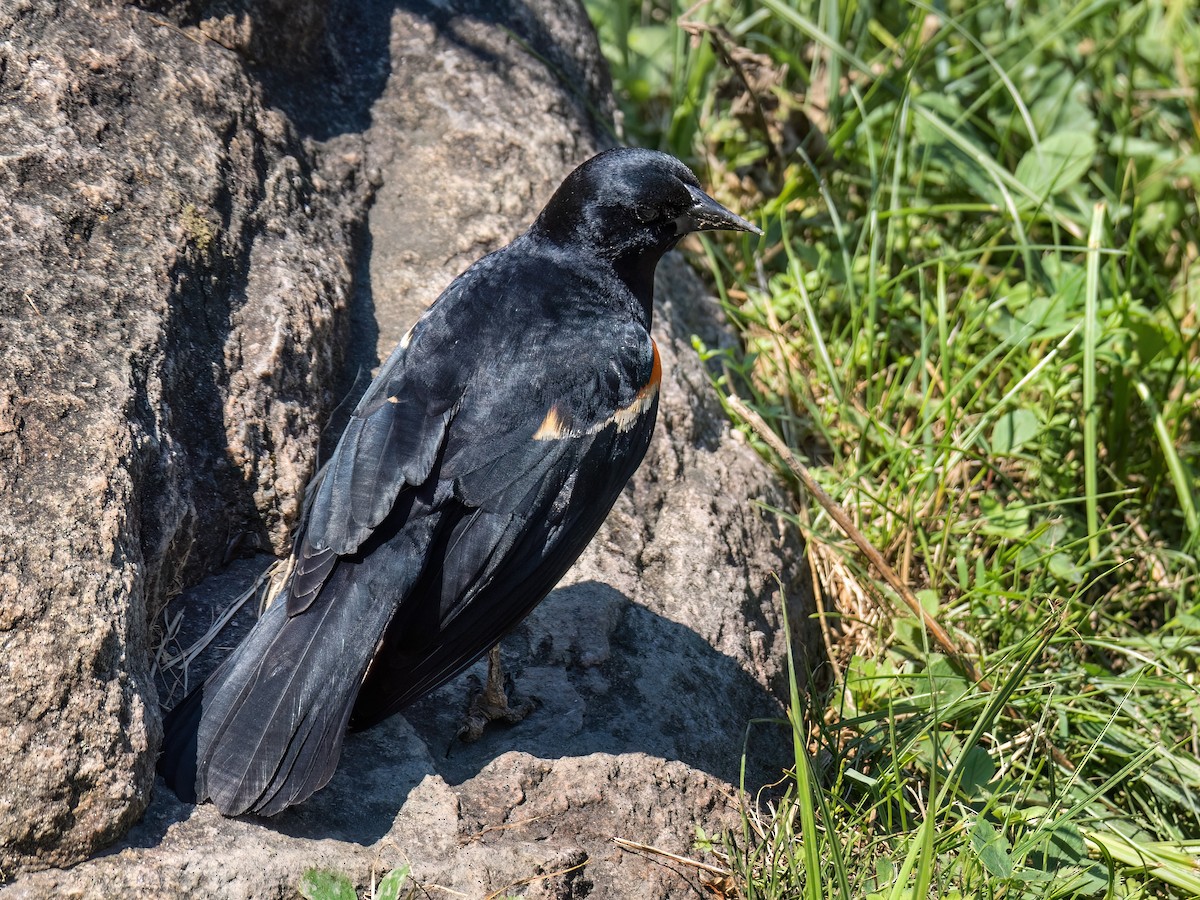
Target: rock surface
column 175, row 275
column 662, row 642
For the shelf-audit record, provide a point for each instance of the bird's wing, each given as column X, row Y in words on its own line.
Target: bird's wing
column 574, row 453
column 391, row 443
column 530, row 501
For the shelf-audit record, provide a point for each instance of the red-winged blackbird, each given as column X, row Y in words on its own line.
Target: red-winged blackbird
column 473, row 472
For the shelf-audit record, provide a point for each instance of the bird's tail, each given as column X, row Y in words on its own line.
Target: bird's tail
column 265, row 730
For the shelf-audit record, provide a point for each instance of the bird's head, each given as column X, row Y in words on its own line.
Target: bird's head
column 631, row 206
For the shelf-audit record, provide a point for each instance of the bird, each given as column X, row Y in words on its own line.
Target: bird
column 475, row 469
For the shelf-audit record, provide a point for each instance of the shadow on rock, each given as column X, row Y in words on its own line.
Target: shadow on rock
column 360, row 357
column 338, row 54
column 611, row 676
column 608, row 675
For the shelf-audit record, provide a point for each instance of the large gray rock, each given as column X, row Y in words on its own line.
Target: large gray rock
column 176, row 273
column 662, row 642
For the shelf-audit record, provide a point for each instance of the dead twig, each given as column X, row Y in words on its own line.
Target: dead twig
column 165, row 661
column 831, row 506
column 674, row 857
column 535, row 878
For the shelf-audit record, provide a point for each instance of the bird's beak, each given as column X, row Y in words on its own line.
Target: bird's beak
column 706, row 214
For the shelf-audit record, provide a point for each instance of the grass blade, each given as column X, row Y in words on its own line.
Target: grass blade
column 1091, row 412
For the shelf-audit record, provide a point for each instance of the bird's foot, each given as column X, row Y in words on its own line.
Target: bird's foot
column 495, row 701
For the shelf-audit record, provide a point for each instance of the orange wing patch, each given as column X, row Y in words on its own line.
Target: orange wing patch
column 628, row 415
column 553, row 427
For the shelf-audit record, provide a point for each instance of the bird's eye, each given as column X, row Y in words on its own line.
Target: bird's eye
column 645, row 214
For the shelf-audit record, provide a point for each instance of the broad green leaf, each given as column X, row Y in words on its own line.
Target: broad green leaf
column 1003, row 520
column 992, row 848
column 389, row 887
column 322, row 884
column 929, row 600
column 1059, row 162
column 948, row 682
column 1065, row 845
column 1014, row 430
column 1064, row 568
column 977, row 770
column 1061, row 103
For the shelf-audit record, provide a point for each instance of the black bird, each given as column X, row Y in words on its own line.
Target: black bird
column 474, row 471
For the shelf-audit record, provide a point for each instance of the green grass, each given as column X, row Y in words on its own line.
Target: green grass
column 974, row 314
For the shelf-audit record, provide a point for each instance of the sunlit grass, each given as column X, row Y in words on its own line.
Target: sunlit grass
column 974, row 315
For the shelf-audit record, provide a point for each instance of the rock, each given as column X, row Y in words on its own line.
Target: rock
column 176, row 271
column 659, row 646
column 560, row 843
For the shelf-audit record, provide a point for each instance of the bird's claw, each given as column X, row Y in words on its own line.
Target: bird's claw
column 495, row 701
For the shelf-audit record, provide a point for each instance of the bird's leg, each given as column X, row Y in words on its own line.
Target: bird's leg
column 492, row 702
